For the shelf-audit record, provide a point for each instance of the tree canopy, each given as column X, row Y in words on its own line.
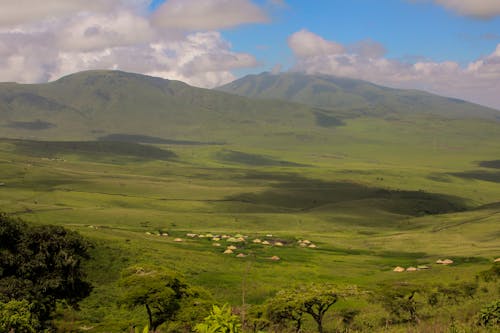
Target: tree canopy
column 162, row 292
column 42, row 265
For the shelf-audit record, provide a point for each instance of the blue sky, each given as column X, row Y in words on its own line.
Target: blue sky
column 447, row 47
column 407, row 30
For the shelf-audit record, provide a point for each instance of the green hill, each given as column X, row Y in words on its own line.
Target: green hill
column 355, row 96
column 94, row 104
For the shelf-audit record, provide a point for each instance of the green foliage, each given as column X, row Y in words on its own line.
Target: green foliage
column 401, row 302
column 160, row 291
column 256, row 320
column 492, row 274
column 17, row 316
column 290, row 305
column 285, row 309
column 220, row 320
column 490, row 315
column 41, row 264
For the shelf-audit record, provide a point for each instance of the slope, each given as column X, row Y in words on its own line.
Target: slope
column 92, row 104
column 356, row 96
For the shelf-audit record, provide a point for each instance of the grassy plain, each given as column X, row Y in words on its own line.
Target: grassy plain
column 372, row 194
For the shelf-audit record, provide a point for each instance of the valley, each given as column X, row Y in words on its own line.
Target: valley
column 371, row 191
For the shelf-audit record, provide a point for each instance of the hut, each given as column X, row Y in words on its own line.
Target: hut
column 398, row 269
column 241, row 255
column 231, row 247
column 496, row 260
column 447, row 262
column 275, row 258
column 178, row 240
column 265, row 243
column 312, row 246
column 228, row 251
column 411, row 269
column 257, row 241
column 423, row 267
column 278, row 244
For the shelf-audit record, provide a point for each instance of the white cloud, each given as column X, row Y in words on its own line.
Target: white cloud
column 23, row 11
column 100, row 31
column 304, row 43
column 477, row 82
column 475, row 8
column 196, row 15
column 44, row 43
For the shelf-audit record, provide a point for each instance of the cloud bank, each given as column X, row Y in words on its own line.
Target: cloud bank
column 48, row 39
column 484, row 9
column 477, row 82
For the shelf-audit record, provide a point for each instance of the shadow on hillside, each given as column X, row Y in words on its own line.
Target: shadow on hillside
column 232, row 156
column 295, row 192
column 138, row 138
column 94, row 149
column 495, row 164
column 479, row 175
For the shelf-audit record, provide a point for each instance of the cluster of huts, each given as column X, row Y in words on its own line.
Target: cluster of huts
column 233, row 240
column 444, row 262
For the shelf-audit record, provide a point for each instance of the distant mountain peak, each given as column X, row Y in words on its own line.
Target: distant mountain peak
column 341, row 93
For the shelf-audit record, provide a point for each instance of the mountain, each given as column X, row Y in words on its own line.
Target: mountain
column 93, row 104
column 355, row 96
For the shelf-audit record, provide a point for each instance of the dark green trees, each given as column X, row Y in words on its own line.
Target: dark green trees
column 161, row 292
column 42, row 265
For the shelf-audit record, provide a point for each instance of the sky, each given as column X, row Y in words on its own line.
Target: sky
column 447, row 47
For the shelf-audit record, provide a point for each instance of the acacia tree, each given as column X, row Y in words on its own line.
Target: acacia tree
column 312, row 299
column 316, row 301
column 42, row 265
column 160, row 291
column 285, row 308
column 401, row 302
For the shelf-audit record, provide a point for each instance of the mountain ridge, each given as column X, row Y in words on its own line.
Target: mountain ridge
column 332, row 92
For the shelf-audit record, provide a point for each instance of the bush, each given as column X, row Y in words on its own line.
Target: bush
column 490, row 315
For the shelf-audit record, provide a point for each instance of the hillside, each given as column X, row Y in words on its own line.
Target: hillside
column 355, row 96
column 93, row 104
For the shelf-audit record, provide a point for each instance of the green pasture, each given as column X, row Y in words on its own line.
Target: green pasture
column 371, row 194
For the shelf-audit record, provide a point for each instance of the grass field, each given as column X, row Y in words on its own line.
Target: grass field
column 371, row 194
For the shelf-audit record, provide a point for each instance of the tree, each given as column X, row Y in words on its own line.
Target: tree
column 17, row 316
column 312, row 299
column 316, row 301
column 41, row 264
column 285, row 308
column 400, row 301
column 220, row 320
column 160, row 291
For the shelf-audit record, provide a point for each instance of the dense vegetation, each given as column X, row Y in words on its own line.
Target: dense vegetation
column 39, row 267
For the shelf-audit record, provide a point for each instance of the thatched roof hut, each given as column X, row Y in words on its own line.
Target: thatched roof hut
column 278, row 244
column 231, row 247
column 228, row 251
column 178, row 240
column 265, row 243
column 496, row 260
column 312, row 246
column 411, row 269
column 275, row 258
column 241, row 255
column 398, row 269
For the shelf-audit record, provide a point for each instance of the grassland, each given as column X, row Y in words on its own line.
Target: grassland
column 372, row 194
